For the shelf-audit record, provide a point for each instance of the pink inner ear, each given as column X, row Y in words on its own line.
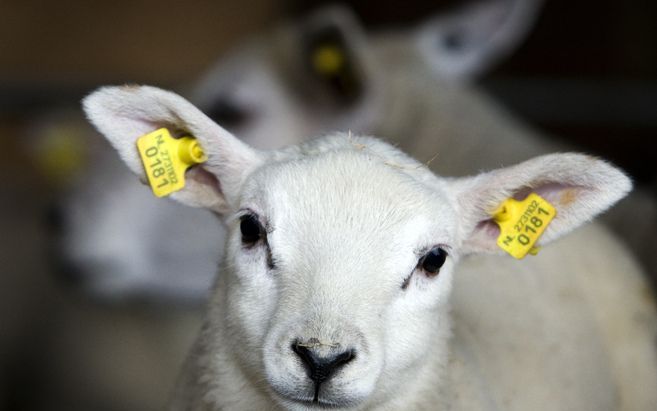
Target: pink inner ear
column 200, row 175
column 556, row 194
column 488, row 228
column 484, row 237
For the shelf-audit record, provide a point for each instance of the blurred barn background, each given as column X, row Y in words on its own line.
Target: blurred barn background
column 586, row 73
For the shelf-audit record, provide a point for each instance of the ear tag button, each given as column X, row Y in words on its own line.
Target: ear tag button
column 166, row 159
column 522, row 223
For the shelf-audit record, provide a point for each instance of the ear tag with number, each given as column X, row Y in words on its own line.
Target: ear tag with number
column 522, row 223
column 166, row 159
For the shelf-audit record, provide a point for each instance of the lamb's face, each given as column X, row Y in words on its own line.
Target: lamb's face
column 337, row 278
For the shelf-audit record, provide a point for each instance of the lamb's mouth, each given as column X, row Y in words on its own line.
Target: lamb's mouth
column 320, row 404
column 317, row 402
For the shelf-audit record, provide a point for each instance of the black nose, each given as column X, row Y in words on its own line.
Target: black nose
column 319, row 368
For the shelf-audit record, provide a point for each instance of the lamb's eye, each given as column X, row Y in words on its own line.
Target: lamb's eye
column 433, row 260
column 251, row 229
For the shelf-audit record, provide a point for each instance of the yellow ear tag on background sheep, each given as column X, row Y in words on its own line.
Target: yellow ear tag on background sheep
column 522, row 223
column 328, row 60
column 166, row 159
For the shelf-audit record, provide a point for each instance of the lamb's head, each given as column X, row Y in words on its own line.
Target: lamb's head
column 340, row 251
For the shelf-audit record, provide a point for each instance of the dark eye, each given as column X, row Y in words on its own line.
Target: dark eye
column 251, row 229
column 433, row 260
column 227, row 114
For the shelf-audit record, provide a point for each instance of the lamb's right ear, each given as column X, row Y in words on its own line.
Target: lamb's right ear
column 123, row 114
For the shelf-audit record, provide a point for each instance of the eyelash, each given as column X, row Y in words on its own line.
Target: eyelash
column 442, row 254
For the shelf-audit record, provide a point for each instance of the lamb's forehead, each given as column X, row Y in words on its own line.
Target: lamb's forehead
column 340, row 176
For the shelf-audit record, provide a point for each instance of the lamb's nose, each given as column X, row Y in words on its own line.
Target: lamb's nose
column 319, row 368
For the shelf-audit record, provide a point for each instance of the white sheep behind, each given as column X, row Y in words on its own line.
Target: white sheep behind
column 367, row 218
column 264, row 93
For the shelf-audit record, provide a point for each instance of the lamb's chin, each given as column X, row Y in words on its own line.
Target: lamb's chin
column 296, row 402
column 302, row 396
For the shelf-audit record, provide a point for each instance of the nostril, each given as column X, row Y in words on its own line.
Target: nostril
column 320, row 368
column 343, row 358
column 308, row 358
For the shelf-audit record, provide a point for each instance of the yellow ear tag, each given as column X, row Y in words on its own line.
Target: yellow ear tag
column 166, row 159
column 522, row 223
column 328, row 60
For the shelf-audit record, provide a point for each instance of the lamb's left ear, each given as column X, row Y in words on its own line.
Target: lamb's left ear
column 123, row 114
column 578, row 186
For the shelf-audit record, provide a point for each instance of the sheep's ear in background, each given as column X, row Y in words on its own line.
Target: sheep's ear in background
column 334, row 52
column 578, row 186
column 467, row 42
column 123, row 114
column 277, row 89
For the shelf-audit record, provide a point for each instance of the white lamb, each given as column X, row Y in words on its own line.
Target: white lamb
column 265, row 94
column 340, row 262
